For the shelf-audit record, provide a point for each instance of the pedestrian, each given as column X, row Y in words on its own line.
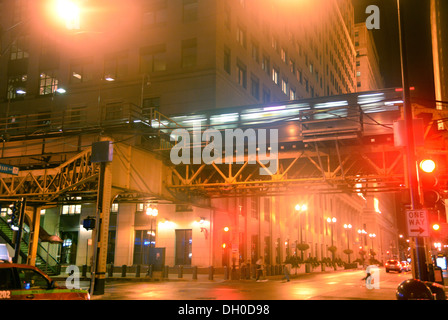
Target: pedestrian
column 287, row 271
column 260, row 268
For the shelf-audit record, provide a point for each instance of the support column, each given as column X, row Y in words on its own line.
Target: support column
column 34, row 237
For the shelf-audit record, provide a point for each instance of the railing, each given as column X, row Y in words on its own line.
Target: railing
column 46, row 259
column 112, row 114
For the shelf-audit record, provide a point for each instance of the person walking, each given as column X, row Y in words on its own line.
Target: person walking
column 260, row 267
column 287, row 271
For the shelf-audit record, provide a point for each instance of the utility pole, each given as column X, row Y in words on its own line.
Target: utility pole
column 419, row 255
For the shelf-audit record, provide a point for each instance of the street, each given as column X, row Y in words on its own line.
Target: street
column 340, row 285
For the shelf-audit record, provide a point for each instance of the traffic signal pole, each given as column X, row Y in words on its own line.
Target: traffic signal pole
column 419, row 254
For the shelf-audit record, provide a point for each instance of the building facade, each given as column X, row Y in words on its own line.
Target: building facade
column 368, row 76
column 185, row 56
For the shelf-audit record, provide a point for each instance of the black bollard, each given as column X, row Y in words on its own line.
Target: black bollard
column 210, row 273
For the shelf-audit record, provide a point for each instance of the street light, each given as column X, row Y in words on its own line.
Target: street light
column 348, row 227
column 372, row 235
column 301, row 208
column 69, row 12
column 332, row 221
column 152, row 213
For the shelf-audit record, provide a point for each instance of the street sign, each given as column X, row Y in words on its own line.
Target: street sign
column 417, row 221
column 6, row 168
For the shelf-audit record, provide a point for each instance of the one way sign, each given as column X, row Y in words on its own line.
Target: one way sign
column 417, row 223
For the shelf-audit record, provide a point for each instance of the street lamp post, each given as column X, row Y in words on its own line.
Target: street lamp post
column 152, row 214
column 332, row 221
column 372, row 235
column 348, row 227
column 300, row 208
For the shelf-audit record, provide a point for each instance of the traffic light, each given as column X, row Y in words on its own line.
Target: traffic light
column 14, row 215
column 429, row 182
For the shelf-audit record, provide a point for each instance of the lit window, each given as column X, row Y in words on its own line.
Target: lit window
column 114, row 207
column 285, row 86
column 71, row 209
column 275, row 75
column 48, row 83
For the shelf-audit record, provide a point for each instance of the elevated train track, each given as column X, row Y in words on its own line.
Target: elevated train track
column 333, row 144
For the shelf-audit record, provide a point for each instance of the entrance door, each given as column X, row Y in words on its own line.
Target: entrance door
column 183, row 247
column 141, row 247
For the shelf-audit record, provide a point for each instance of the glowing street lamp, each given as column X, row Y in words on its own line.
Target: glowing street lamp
column 69, row 12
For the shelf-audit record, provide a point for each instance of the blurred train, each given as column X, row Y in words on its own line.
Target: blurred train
column 363, row 114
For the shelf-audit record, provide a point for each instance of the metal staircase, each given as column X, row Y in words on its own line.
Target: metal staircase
column 48, row 264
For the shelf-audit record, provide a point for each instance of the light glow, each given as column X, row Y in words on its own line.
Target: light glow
column 69, row 12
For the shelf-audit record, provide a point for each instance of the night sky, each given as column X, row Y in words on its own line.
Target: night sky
column 418, row 38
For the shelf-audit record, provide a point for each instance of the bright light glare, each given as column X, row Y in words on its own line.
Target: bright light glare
column 69, row 12
column 428, row 165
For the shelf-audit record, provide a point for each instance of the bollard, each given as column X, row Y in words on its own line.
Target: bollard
column 123, row 271
column 166, row 270
column 195, row 273
column 226, row 273
column 180, row 272
column 84, row 271
column 137, row 271
column 150, row 270
column 210, row 273
column 111, row 270
column 243, row 272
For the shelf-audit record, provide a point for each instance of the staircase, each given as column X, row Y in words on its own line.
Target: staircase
column 49, row 264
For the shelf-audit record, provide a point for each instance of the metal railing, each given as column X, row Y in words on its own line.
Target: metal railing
column 111, row 114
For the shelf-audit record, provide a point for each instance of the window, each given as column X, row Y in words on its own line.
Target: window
column 241, row 36
column 114, row 207
column 19, row 48
column 275, row 75
column 71, row 209
column 17, row 86
column 48, row 82
column 155, row 14
column 358, row 73
column 283, row 55
column 285, row 86
column 78, row 115
column 227, row 16
column 242, row 74
column 292, row 94
column 255, row 87
column 114, row 111
column 115, row 65
column 153, row 59
column 190, row 10
column 266, row 95
column 255, row 52
column 30, row 279
column 265, row 64
column 81, row 71
column 227, row 60
column 189, row 53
